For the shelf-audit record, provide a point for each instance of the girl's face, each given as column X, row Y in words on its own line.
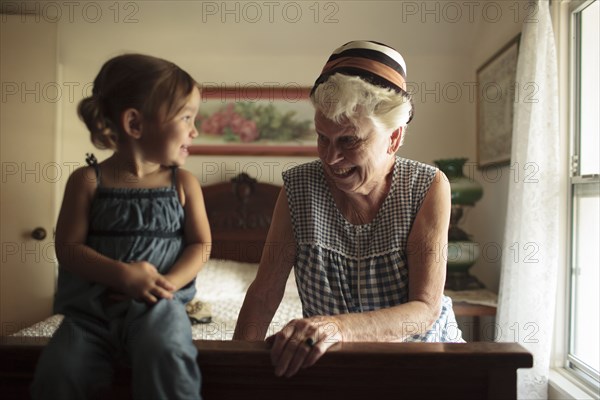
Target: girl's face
column 354, row 158
column 167, row 142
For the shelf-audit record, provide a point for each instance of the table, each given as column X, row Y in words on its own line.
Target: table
column 475, row 304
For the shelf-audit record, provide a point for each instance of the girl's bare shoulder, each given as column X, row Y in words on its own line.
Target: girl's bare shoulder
column 83, row 179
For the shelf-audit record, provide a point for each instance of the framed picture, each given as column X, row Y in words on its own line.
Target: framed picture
column 496, row 89
column 255, row 120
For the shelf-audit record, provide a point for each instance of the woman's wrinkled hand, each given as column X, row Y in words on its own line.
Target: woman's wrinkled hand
column 302, row 342
column 143, row 282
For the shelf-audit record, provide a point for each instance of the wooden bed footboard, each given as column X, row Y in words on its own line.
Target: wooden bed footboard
column 242, row 370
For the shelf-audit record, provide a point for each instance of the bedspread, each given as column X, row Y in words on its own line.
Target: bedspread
column 223, row 285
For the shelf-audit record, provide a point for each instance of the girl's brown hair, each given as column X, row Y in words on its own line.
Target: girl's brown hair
column 137, row 81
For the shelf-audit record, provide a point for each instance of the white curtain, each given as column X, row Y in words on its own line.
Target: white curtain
column 530, row 250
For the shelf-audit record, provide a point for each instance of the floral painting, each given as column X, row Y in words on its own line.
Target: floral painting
column 255, row 121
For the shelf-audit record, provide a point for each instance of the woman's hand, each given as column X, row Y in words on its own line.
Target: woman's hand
column 302, row 342
column 144, row 282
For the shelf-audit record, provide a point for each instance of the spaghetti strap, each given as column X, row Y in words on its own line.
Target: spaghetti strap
column 92, row 161
column 174, row 170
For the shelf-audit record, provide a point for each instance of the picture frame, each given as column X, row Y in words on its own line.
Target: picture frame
column 496, row 95
column 255, row 120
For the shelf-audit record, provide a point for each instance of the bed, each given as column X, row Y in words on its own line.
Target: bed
column 240, row 213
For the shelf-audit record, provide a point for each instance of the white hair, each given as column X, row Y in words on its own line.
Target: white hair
column 347, row 98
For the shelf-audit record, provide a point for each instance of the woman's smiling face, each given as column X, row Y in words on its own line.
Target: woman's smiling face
column 355, row 157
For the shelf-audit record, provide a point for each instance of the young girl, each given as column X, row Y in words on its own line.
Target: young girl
column 131, row 236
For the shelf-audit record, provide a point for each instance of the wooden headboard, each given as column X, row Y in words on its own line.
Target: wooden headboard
column 239, row 213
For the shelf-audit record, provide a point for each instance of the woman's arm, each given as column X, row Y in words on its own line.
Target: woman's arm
column 426, row 256
column 143, row 282
column 267, row 289
column 196, row 232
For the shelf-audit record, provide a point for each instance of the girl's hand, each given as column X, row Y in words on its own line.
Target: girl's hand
column 302, row 342
column 144, row 282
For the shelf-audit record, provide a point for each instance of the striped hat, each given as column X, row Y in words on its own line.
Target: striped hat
column 374, row 62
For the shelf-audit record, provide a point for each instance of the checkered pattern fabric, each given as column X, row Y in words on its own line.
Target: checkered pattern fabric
column 345, row 268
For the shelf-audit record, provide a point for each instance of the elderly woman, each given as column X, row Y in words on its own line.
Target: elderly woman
column 366, row 231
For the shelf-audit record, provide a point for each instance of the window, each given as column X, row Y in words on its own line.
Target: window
column 583, row 351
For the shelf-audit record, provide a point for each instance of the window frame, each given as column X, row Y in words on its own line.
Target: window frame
column 576, row 368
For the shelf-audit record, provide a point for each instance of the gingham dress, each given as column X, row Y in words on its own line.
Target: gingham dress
column 345, row 268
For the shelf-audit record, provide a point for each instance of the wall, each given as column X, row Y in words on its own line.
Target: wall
column 228, row 47
column 486, row 221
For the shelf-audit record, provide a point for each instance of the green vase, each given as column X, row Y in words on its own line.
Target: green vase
column 465, row 191
column 462, row 252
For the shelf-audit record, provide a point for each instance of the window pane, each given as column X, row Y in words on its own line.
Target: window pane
column 586, row 264
column 590, row 127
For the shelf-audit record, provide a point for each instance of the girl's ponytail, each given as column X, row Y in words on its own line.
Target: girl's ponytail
column 101, row 132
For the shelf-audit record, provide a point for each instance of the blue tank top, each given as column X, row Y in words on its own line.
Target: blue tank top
column 127, row 225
